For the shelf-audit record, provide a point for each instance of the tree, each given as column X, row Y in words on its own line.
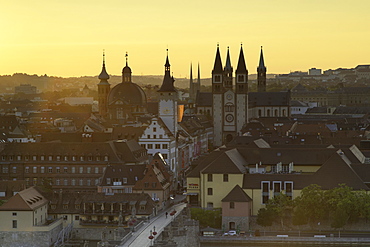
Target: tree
column 312, row 204
column 265, row 217
column 281, row 205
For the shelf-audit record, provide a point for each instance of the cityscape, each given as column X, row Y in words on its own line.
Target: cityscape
column 153, row 139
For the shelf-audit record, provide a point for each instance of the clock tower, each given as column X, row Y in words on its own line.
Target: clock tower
column 167, row 105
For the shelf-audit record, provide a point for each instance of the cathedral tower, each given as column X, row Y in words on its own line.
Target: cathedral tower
column 230, row 102
column 261, row 74
column 103, row 90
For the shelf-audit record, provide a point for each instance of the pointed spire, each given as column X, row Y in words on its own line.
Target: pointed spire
column 168, row 80
column 262, row 62
column 241, row 68
column 217, row 68
column 198, row 75
column 228, row 62
column 103, row 74
column 191, row 73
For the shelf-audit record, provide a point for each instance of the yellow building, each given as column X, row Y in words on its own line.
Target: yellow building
column 25, row 220
column 263, row 173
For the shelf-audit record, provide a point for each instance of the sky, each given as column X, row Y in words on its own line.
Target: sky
column 67, row 37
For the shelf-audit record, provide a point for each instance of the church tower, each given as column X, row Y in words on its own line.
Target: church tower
column 217, row 95
column 194, row 87
column 167, row 106
column 103, row 90
column 261, row 74
column 230, row 102
column 241, row 89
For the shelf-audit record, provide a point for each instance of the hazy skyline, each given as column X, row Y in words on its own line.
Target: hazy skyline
column 67, row 38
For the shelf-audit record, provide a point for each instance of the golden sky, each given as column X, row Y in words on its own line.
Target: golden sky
column 67, row 37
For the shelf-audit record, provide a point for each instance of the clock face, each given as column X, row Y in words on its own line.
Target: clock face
column 229, row 118
column 229, row 97
column 166, row 110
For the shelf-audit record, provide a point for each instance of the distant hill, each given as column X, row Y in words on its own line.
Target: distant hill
column 51, row 83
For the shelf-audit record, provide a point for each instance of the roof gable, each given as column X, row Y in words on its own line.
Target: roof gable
column 237, row 194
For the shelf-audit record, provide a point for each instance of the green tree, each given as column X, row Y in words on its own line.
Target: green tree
column 312, row 203
column 206, row 218
column 281, row 205
column 265, row 217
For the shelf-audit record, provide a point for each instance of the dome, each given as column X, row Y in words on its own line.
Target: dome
column 126, row 69
column 129, row 93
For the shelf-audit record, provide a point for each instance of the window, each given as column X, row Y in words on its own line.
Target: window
column 88, row 182
column 14, row 169
column 108, row 180
column 154, row 184
column 289, row 189
column 50, row 158
column 81, row 169
column 34, row 169
column 82, row 158
column 81, row 182
column 165, row 156
column 210, row 205
column 88, row 170
column 15, row 224
column 58, row 157
column 73, row 158
column 226, row 177
column 154, row 129
column 14, row 214
column 106, row 158
column 164, row 146
column 154, row 136
column 240, row 78
column 5, row 169
column 27, row 169
column 50, row 170
column 57, row 182
column 65, row 181
column 150, row 146
column 277, row 188
column 148, row 136
column 73, row 182
column 77, row 217
column 58, row 169
column 19, row 157
column 42, row 169
column 96, row 169
column 157, row 146
column 146, row 184
column 265, row 192
column 232, row 205
column 73, row 169
column 209, row 177
column 124, row 180
column 34, row 158
column 210, row 191
column 89, row 158
column 65, row 169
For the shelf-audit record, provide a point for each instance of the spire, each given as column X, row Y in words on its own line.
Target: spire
column 217, row 68
column 262, row 62
column 126, row 59
column 198, row 76
column 241, row 68
column 191, row 73
column 228, row 62
column 168, row 80
column 103, row 74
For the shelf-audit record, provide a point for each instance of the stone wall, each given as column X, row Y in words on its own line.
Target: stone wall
column 29, row 239
column 241, row 223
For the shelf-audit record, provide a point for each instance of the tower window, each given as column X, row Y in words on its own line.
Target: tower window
column 217, row 78
column 240, row 78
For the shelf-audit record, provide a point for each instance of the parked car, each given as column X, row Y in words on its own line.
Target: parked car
column 230, row 233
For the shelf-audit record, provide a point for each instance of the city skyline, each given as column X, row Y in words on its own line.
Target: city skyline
column 68, row 38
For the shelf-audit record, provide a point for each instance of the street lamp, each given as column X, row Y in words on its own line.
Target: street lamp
column 151, row 238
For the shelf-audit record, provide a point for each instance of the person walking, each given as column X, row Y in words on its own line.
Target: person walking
column 166, row 215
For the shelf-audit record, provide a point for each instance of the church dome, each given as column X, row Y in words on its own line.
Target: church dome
column 128, row 93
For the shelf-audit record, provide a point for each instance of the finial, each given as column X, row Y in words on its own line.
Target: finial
column 103, row 56
column 218, row 44
column 261, row 47
column 126, row 58
column 241, row 43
